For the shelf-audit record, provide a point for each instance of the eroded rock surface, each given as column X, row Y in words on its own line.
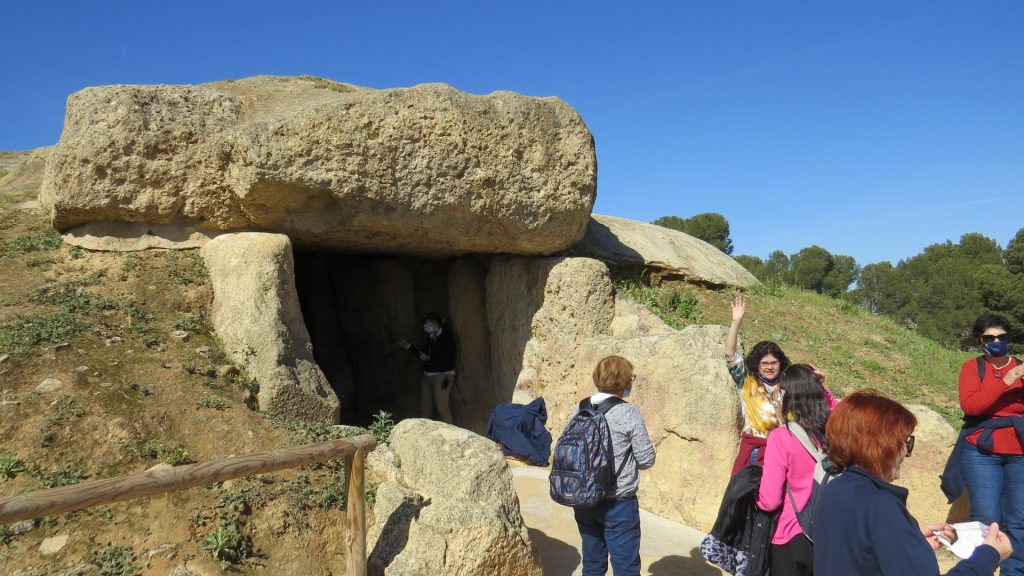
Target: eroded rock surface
column 423, row 170
column 445, row 506
column 257, row 318
column 627, row 243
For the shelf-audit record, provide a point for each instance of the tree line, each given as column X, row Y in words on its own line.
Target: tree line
column 938, row 292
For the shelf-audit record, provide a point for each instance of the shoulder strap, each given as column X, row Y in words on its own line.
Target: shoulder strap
column 805, row 440
column 607, row 404
column 981, row 366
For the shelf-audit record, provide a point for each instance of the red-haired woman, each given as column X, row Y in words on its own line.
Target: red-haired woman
column 861, row 525
column 992, row 456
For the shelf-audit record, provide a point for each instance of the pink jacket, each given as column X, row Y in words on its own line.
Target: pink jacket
column 785, row 461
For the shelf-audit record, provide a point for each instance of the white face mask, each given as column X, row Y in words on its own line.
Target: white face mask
column 428, row 328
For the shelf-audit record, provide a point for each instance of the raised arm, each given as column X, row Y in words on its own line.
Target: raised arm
column 739, row 309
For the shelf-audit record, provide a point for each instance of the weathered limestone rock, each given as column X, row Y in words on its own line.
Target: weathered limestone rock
column 628, row 243
column 934, row 440
column 25, row 172
column 439, row 523
column 423, row 170
column 555, row 318
column 256, row 316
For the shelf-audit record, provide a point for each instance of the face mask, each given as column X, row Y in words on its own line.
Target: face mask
column 997, row 349
column 766, row 381
column 625, row 393
column 428, row 328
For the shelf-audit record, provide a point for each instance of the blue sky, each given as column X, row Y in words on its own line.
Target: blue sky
column 870, row 128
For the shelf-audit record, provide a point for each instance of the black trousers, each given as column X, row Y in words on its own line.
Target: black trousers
column 794, row 558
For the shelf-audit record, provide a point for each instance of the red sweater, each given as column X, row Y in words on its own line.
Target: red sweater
column 992, row 397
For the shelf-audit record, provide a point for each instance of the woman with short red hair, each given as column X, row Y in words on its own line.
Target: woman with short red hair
column 861, row 525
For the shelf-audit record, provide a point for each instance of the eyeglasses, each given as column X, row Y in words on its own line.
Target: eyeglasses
column 772, row 364
column 910, row 445
column 632, row 378
column 989, row 338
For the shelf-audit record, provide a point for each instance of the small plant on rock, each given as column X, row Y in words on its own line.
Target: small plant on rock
column 332, row 494
column 63, row 476
column 382, row 426
column 10, row 466
column 113, row 561
column 173, row 454
column 226, row 544
column 212, row 402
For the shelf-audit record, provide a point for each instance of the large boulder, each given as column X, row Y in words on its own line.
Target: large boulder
column 445, row 506
column 920, row 473
column 425, row 170
column 257, row 318
column 553, row 319
column 626, row 243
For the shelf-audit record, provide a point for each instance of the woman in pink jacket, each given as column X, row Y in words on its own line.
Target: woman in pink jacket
column 788, row 463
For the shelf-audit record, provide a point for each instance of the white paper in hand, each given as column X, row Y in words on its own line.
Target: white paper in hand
column 969, row 535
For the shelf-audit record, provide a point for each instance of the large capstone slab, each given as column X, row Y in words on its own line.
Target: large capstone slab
column 427, row 170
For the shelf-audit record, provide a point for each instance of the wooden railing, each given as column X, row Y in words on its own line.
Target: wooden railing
column 87, row 494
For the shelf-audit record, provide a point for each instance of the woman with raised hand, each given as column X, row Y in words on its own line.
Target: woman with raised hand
column 861, row 523
column 789, row 467
column 992, row 453
column 756, row 377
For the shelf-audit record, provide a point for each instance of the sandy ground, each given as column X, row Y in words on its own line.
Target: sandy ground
column 667, row 548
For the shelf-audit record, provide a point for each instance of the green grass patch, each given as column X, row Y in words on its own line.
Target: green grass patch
column 185, row 267
column 212, row 402
column 63, row 476
column 112, row 560
column 40, row 240
column 855, row 348
column 10, row 466
column 676, row 307
column 172, row 453
column 28, row 331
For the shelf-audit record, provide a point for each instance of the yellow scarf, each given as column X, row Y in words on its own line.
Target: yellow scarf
column 758, row 406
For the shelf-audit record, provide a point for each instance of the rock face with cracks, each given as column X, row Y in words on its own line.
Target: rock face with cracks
column 257, row 318
column 445, row 506
column 427, row 170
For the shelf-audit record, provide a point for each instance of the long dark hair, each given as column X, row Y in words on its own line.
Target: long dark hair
column 762, row 349
column 804, row 402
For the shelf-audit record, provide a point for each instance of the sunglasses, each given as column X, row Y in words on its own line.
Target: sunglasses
column 989, row 338
column 910, row 445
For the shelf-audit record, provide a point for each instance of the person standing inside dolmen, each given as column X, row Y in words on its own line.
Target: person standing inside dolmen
column 437, row 354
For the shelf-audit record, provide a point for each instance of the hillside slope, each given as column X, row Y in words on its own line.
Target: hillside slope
column 108, row 367
column 856, row 349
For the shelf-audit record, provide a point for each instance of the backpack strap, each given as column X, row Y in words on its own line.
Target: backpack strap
column 805, row 440
column 815, row 452
column 981, row 366
column 602, row 408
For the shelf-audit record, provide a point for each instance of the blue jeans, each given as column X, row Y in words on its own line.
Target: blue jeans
column 995, row 483
column 610, row 528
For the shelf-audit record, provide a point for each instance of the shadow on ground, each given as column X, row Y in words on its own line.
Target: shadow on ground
column 682, row 566
column 560, row 559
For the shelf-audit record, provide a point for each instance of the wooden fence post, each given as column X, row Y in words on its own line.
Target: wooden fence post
column 355, row 514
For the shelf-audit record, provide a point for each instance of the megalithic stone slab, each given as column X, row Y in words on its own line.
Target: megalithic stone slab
column 427, row 170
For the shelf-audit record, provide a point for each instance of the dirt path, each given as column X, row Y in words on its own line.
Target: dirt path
column 667, row 548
